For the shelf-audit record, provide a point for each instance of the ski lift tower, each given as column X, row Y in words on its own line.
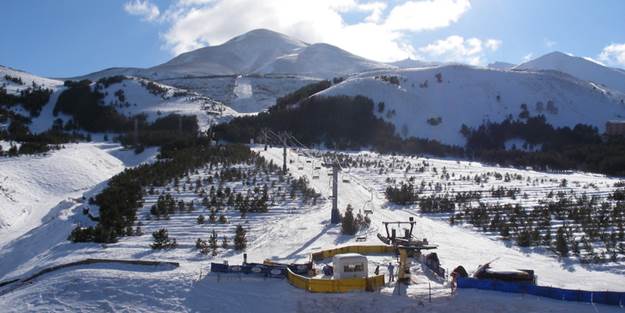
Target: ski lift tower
column 336, row 216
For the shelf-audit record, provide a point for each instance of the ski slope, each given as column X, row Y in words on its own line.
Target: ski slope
column 285, row 237
column 33, row 189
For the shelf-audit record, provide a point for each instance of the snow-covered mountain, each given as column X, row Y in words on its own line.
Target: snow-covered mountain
column 435, row 102
column 250, row 71
column 130, row 96
column 261, row 52
column 581, row 68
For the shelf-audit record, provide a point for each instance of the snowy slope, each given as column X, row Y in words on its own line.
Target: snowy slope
column 471, row 96
column 288, row 237
column 31, row 185
column 240, row 55
column 27, row 79
column 320, row 60
column 243, row 93
column 579, row 67
column 137, row 98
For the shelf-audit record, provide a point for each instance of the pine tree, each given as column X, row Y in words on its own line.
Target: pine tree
column 201, row 245
column 561, row 244
column 161, row 240
column 200, row 219
column 223, row 219
column 524, row 239
column 224, row 243
column 212, row 242
column 505, row 231
column 240, row 242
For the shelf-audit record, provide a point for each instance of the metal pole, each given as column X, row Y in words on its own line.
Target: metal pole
column 336, row 217
column 430, row 291
column 284, row 153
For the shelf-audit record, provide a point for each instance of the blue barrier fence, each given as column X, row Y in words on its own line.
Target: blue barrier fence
column 602, row 297
column 266, row 270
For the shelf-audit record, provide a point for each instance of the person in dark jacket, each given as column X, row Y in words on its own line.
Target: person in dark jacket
column 390, row 269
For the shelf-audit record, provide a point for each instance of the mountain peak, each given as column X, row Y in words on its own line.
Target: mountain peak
column 265, row 34
column 579, row 67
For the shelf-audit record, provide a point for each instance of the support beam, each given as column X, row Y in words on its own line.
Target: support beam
column 284, row 153
column 336, row 216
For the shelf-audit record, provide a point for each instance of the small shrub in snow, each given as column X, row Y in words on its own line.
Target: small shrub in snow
column 162, row 240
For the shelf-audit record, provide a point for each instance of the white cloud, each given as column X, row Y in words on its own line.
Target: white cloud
column 613, row 54
column 428, row 14
column 144, row 8
column 381, row 35
column 493, row 44
column 458, row 49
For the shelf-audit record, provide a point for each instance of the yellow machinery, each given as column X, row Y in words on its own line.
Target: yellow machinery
column 404, row 246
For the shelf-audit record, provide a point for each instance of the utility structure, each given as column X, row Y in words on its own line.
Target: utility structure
column 283, row 137
column 336, row 216
column 405, row 246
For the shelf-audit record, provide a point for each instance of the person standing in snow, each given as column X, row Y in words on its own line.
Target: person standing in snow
column 390, row 269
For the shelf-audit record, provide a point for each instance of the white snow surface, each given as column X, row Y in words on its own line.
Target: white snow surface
column 471, row 96
column 581, row 68
column 33, row 186
column 139, row 100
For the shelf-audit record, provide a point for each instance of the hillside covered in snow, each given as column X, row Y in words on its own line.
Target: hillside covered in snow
column 435, row 102
column 581, row 68
column 129, row 96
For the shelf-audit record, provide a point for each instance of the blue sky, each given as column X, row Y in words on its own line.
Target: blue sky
column 61, row 38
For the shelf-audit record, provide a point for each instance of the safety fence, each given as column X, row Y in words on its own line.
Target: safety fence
column 601, row 297
column 267, row 269
column 335, row 285
column 21, row 281
column 362, row 249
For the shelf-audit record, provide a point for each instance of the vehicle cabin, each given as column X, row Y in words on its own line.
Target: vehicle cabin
column 350, row 265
